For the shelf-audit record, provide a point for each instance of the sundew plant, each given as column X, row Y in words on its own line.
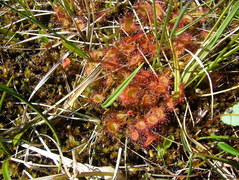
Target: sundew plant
column 119, row 89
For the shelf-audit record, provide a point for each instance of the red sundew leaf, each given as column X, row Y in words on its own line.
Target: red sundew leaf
column 141, row 125
column 149, row 139
column 112, row 126
column 134, row 135
column 66, row 63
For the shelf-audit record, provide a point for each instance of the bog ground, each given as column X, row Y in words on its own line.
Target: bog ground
column 119, row 89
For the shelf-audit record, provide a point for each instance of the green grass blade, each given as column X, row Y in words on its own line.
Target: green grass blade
column 231, row 162
column 221, row 29
column 156, row 36
column 213, row 136
column 4, row 148
column 69, row 45
column 72, row 47
column 227, row 148
column 5, row 171
column 214, row 65
column 120, row 89
column 230, row 52
column 184, row 141
column 229, row 49
column 216, row 169
column 164, row 29
column 181, row 30
column 190, row 167
column 214, row 38
column 8, row 35
column 176, row 69
column 4, row 93
column 6, row 32
column 67, row 6
column 43, row 38
column 17, row 137
column 13, row 93
column 176, row 24
column 25, row 6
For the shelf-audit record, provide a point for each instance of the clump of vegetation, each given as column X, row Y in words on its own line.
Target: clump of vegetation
column 145, row 100
column 119, row 89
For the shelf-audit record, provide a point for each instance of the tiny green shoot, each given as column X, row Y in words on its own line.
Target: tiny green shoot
column 120, row 89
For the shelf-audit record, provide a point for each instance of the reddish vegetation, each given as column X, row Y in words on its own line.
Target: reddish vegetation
column 146, row 101
column 145, row 104
column 156, row 116
column 149, row 138
column 128, row 24
column 183, row 41
column 145, row 11
column 130, row 96
column 66, row 63
column 112, row 126
column 62, row 17
column 134, row 135
column 98, row 98
column 141, row 125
